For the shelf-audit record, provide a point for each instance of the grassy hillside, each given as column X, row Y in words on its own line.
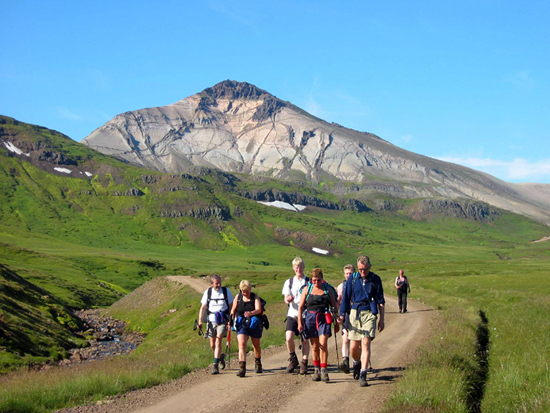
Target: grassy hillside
column 87, row 241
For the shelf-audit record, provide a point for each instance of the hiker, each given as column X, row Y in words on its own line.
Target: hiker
column 315, row 301
column 344, row 364
column 363, row 300
column 291, row 294
column 402, row 286
column 246, row 312
column 216, row 302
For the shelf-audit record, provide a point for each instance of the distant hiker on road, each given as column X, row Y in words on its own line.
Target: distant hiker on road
column 247, row 309
column 291, row 293
column 216, row 302
column 363, row 300
column 344, row 364
column 403, row 287
column 316, row 300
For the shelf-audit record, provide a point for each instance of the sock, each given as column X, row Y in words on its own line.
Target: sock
column 363, row 371
column 323, row 365
column 292, row 354
column 316, row 363
column 216, row 361
column 258, row 359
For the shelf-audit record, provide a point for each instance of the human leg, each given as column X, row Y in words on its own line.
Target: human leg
column 400, row 300
column 404, row 302
column 323, row 353
column 292, row 326
column 242, row 340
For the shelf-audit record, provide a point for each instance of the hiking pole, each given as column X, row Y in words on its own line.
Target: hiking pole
column 196, row 325
column 228, row 345
column 336, row 329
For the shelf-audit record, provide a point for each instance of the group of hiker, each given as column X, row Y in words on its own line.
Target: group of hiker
column 315, row 307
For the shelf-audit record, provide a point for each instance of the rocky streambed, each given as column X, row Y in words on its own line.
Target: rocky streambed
column 109, row 338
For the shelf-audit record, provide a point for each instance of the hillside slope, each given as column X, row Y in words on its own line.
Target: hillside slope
column 237, row 127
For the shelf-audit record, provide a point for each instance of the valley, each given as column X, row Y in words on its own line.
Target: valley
column 107, row 234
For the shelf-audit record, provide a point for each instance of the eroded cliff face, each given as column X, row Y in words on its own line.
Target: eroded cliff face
column 237, row 127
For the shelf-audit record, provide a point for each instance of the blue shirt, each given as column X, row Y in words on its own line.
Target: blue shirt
column 359, row 293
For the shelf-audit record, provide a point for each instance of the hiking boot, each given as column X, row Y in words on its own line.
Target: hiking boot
column 292, row 363
column 363, row 379
column 303, row 367
column 258, row 366
column 215, row 369
column 344, row 365
column 242, row 369
column 222, row 361
column 316, row 374
column 324, row 375
column 356, row 370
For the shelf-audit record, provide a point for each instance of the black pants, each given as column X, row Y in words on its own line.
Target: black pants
column 402, row 300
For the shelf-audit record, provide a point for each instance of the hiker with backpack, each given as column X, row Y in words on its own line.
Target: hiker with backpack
column 363, row 300
column 216, row 302
column 403, row 287
column 291, row 294
column 247, row 312
column 315, row 319
column 344, row 364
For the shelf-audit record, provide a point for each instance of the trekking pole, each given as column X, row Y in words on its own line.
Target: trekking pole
column 228, row 345
column 336, row 329
column 196, row 325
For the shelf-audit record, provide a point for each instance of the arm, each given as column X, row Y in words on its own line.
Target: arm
column 381, row 311
column 234, row 308
column 257, row 308
column 201, row 315
column 287, row 294
column 301, row 307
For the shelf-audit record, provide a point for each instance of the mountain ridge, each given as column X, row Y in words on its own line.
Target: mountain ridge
column 238, row 127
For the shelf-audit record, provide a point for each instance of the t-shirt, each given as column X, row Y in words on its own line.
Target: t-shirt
column 296, row 285
column 217, row 302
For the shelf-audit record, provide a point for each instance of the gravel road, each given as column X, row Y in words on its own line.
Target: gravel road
column 275, row 390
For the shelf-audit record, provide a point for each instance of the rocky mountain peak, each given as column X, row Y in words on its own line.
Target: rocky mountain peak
column 231, row 89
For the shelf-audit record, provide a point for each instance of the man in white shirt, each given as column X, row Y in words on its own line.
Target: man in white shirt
column 291, row 293
column 216, row 302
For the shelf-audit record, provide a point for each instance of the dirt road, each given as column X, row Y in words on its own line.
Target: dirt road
column 277, row 391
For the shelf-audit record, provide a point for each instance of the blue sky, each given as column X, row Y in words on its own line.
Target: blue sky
column 463, row 81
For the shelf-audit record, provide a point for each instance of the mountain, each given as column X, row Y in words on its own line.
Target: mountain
column 237, row 127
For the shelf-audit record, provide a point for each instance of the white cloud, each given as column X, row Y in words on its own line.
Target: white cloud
column 517, row 170
column 65, row 113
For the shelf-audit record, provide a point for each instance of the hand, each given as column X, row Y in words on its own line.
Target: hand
column 300, row 327
column 380, row 325
column 199, row 325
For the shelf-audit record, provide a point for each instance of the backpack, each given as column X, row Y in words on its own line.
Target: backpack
column 326, row 287
column 263, row 317
column 291, row 281
column 225, row 297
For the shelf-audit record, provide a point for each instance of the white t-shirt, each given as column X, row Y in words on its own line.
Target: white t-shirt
column 296, row 285
column 217, row 302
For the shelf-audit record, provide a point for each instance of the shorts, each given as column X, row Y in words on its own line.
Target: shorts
column 249, row 326
column 364, row 327
column 292, row 325
column 215, row 330
column 316, row 325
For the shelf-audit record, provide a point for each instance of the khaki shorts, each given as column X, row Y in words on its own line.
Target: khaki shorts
column 364, row 327
column 219, row 329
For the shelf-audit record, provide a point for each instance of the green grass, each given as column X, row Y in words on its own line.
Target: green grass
column 513, row 295
column 83, row 243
